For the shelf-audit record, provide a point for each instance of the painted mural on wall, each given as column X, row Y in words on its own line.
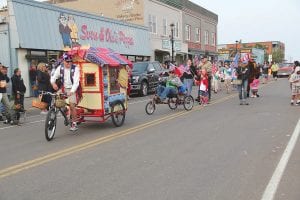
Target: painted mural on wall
column 68, row 30
column 71, row 36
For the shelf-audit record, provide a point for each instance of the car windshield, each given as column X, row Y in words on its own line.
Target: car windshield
column 139, row 67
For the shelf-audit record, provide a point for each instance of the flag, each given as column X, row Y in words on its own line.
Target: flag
column 235, row 61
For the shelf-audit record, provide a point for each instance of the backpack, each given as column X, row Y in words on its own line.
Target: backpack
column 79, row 89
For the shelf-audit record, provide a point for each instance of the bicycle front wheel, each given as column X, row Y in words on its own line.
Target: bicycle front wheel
column 50, row 125
column 188, row 102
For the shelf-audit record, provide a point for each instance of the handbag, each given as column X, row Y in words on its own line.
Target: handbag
column 237, row 82
column 37, row 103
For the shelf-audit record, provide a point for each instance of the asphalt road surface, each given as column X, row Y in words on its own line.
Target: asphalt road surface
column 223, row 151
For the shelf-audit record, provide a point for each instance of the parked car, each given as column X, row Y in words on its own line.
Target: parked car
column 145, row 77
column 285, row 69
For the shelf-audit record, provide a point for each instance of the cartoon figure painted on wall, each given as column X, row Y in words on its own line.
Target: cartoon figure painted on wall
column 74, row 30
column 65, row 30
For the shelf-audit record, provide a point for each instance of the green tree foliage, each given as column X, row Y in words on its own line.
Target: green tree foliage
column 277, row 56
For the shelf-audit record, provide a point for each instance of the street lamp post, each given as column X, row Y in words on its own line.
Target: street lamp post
column 172, row 41
column 236, row 43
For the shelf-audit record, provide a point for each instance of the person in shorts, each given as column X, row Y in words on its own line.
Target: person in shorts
column 69, row 75
column 295, row 81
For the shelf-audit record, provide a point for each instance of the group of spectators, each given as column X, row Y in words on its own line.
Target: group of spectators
column 207, row 77
column 11, row 113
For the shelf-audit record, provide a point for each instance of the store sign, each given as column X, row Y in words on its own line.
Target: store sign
column 106, row 35
column 166, row 44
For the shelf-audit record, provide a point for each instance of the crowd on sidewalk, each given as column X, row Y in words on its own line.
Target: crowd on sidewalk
column 242, row 75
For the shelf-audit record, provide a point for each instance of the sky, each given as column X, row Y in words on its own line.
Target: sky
column 255, row 21
column 258, row 20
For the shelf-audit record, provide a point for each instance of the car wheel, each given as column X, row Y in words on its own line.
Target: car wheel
column 144, row 89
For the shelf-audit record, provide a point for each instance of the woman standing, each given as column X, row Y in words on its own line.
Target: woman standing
column 265, row 71
column 188, row 76
column 18, row 89
column 43, row 79
column 243, row 75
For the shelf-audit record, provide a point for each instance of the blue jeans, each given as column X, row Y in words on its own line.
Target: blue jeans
column 243, row 90
column 189, row 85
column 34, row 93
column 163, row 91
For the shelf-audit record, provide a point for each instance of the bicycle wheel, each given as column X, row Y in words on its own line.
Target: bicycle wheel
column 118, row 114
column 50, row 125
column 172, row 102
column 188, row 102
column 150, row 107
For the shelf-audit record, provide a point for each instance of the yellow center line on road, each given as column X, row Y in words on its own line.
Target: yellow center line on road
column 63, row 153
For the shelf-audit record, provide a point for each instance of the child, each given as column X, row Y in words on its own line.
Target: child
column 227, row 78
column 254, row 88
column 295, row 80
column 203, row 87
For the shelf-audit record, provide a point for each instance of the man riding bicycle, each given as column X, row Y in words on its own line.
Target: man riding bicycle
column 172, row 84
column 69, row 75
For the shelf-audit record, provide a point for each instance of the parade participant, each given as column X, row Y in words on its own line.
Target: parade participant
column 295, row 81
column 227, row 78
column 205, row 64
column 243, row 75
column 69, row 75
column 274, row 69
column 202, row 87
column 254, row 88
column 18, row 90
column 4, row 80
column 188, row 76
column 215, row 78
column 172, row 83
column 43, row 79
column 265, row 71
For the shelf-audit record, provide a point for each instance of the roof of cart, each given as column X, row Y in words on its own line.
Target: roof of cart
column 99, row 56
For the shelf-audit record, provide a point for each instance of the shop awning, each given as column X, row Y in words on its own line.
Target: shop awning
column 100, row 56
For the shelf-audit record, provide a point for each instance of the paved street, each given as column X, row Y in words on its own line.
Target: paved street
column 223, row 151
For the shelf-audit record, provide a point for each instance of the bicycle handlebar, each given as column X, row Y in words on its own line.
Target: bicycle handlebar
column 54, row 94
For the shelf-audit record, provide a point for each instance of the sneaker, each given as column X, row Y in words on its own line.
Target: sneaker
column 292, row 102
column 74, row 127
column 8, row 122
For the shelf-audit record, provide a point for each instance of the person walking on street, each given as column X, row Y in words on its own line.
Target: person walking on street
column 243, row 75
column 69, row 75
column 4, row 80
column 227, row 78
column 274, row 69
column 205, row 64
column 43, row 80
column 265, row 71
column 295, row 81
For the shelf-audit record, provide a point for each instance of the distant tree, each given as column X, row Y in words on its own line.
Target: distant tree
column 277, row 56
column 259, row 46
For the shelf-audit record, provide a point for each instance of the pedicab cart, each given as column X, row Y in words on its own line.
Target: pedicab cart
column 104, row 82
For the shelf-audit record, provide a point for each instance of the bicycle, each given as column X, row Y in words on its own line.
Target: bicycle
column 173, row 101
column 57, row 105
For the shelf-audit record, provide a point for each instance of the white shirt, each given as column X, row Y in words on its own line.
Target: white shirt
column 67, row 78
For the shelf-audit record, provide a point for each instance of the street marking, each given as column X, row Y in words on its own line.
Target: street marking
column 271, row 189
column 54, row 156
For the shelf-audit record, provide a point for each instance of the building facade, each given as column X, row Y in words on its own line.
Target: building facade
column 36, row 32
column 194, row 30
column 268, row 46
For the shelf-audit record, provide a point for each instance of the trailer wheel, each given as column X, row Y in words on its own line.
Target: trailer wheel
column 118, row 114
